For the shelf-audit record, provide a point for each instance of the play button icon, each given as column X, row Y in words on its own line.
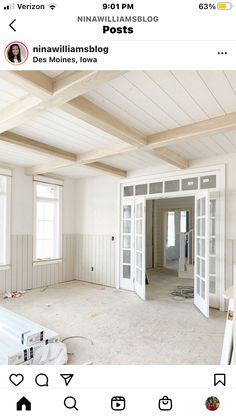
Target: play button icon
column 118, row 403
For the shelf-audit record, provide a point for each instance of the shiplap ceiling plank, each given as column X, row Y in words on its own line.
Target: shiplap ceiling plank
column 11, row 154
column 160, row 105
column 231, row 136
column 231, row 77
column 11, row 115
column 128, row 107
column 133, row 160
column 221, row 89
column 188, row 149
column 147, row 107
column 33, row 82
column 56, row 91
column 105, row 101
column 168, row 82
column 150, row 89
column 209, row 144
column 171, row 157
column 83, row 109
column 224, row 142
column 197, row 88
column 57, row 127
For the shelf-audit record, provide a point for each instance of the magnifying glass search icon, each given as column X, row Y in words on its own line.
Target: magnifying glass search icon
column 70, row 403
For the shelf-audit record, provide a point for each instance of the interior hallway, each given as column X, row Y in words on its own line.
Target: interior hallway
column 124, row 329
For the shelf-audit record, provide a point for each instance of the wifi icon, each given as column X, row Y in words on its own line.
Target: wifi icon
column 52, row 6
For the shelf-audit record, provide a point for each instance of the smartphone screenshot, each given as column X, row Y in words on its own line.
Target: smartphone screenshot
column 117, row 209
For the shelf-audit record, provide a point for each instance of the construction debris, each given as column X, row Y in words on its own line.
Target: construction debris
column 13, row 294
column 21, row 338
column 183, row 292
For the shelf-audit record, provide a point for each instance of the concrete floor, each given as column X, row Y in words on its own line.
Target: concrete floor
column 124, row 329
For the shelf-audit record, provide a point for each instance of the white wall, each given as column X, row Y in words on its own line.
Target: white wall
column 22, row 274
column 96, row 205
column 22, row 204
column 97, row 229
column 90, row 220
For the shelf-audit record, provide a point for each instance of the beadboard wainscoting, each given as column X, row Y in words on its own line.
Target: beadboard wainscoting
column 95, row 259
column 23, row 274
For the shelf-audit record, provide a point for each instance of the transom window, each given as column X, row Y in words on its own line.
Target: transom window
column 5, row 184
column 47, row 221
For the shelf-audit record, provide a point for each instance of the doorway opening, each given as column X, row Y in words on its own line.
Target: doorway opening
column 172, row 242
column 170, row 248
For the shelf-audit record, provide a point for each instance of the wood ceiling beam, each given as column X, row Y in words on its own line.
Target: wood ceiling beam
column 92, row 114
column 107, row 169
column 69, row 85
column 102, row 153
column 65, row 91
column 33, row 82
column 11, row 116
column 170, row 157
column 41, row 169
column 32, row 145
column 55, row 93
column 51, row 166
column 206, row 127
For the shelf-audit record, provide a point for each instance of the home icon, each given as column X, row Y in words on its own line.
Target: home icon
column 23, row 404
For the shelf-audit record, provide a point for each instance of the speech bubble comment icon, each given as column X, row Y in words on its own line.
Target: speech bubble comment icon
column 41, row 380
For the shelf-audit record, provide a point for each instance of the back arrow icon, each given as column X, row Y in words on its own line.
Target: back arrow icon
column 12, row 26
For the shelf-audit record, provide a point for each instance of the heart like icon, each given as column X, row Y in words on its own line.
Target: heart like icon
column 16, row 379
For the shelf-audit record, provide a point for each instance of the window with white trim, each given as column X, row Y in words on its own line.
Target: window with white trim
column 5, row 193
column 48, row 234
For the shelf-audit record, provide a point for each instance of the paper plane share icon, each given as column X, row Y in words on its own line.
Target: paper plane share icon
column 67, row 378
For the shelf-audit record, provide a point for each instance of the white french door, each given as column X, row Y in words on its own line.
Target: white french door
column 139, row 253
column 127, row 245
column 201, row 271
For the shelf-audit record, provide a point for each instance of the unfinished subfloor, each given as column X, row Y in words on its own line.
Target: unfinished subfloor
column 123, row 328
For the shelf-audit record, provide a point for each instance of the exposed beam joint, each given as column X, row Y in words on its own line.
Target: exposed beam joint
column 72, row 84
column 57, row 92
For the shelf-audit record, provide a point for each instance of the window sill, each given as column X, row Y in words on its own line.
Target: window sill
column 5, row 267
column 46, row 262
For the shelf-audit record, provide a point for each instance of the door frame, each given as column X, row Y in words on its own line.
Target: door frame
column 219, row 171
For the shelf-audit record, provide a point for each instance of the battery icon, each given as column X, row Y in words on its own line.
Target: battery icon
column 224, row 6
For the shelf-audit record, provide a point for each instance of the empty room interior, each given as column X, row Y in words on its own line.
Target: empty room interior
column 117, row 215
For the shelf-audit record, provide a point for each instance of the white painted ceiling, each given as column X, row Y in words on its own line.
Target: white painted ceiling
column 150, row 101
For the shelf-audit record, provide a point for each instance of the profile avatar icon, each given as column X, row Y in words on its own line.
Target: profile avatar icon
column 212, row 403
column 16, row 53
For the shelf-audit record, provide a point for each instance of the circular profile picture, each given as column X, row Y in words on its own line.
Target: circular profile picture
column 212, row 403
column 16, row 53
